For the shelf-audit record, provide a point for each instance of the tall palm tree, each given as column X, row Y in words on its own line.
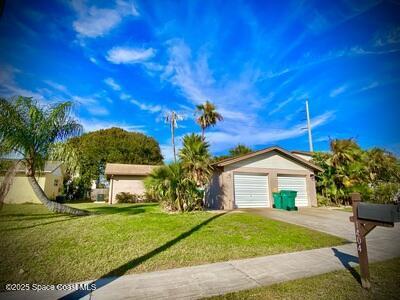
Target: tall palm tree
column 30, row 130
column 240, row 149
column 196, row 159
column 208, row 116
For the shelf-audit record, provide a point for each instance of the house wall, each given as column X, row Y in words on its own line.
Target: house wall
column 53, row 185
column 271, row 160
column 213, row 194
column 272, row 164
column 127, row 184
column 21, row 190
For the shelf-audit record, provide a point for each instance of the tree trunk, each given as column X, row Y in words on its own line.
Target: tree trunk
column 51, row 205
column 202, row 133
column 6, row 184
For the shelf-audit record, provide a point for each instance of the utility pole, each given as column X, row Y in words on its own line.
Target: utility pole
column 172, row 118
column 309, row 128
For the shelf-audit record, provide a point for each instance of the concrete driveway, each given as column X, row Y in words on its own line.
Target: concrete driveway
column 327, row 220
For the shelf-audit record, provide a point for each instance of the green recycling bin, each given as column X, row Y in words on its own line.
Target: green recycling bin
column 288, row 199
column 277, row 200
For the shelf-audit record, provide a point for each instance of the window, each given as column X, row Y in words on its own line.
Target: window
column 55, row 182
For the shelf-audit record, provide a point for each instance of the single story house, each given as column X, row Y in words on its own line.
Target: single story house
column 249, row 180
column 50, row 180
column 126, row 178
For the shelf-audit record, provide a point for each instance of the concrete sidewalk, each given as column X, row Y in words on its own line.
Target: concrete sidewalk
column 219, row 278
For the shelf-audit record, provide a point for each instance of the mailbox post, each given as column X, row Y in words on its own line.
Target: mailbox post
column 362, row 228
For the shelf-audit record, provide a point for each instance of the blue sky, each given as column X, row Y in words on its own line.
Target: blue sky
column 126, row 63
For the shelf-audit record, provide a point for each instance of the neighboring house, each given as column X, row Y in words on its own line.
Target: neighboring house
column 97, row 193
column 249, row 180
column 303, row 154
column 50, row 180
column 126, row 178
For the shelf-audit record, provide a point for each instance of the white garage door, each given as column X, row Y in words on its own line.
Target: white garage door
column 251, row 191
column 295, row 184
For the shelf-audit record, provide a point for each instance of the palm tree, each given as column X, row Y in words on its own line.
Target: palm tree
column 171, row 186
column 240, row 149
column 30, row 130
column 196, row 158
column 208, row 116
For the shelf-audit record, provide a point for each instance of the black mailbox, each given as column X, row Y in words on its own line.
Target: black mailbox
column 387, row 213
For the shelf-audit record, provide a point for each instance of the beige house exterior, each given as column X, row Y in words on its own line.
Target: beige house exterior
column 249, row 180
column 126, row 178
column 50, row 180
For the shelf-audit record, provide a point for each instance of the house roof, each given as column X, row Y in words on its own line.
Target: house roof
column 302, row 152
column 288, row 154
column 49, row 167
column 127, row 169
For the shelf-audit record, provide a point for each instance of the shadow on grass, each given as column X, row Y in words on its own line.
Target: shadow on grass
column 121, row 270
column 346, row 259
column 129, row 210
column 27, row 217
column 38, row 224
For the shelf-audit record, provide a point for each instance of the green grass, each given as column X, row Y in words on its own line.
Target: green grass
column 41, row 247
column 385, row 284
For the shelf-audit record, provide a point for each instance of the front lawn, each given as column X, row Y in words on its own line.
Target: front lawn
column 38, row 246
column 385, row 279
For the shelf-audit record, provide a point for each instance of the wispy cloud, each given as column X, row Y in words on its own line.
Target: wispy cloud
column 194, row 79
column 112, row 84
column 93, row 21
column 129, row 55
column 57, row 86
column 9, row 86
column 98, row 111
column 147, row 107
column 337, row 91
column 253, row 136
column 96, row 124
column 388, row 38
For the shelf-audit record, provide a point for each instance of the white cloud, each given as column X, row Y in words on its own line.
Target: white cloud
column 388, row 38
column 10, row 88
column 261, row 135
column 93, row 60
column 235, row 98
column 147, row 107
column 95, row 124
column 57, row 86
column 337, row 91
column 167, row 152
column 97, row 111
column 112, row 84
column 372, row 85
column 128, row 55
column 93, row 22
column 86, row 101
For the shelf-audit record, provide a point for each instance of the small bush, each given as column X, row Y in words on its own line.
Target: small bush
column 129, row 198
column 323, row 201
column 384, row 192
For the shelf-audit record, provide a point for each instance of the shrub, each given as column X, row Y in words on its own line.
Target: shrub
column 174, row 189
column 124, row 197
column 384, row 192
column 324, row 201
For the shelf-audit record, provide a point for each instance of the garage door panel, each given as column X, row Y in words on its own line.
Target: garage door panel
column 251, row 190
column 295, row 184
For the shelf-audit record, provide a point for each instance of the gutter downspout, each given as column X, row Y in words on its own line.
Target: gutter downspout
column 111, row 189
